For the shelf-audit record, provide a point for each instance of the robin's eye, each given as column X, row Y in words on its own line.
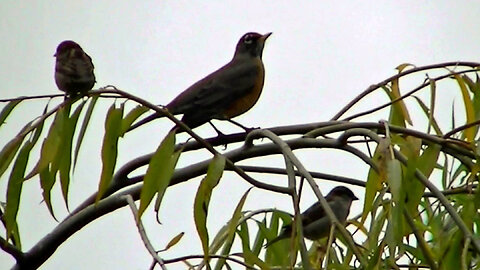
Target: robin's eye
column 248, row 39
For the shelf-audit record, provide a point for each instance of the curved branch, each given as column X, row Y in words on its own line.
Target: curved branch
column 11, row 249
column 386, row 81
column 411, row 92
column 180, row 259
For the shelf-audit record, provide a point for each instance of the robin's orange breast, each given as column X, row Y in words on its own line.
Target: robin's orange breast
column 244, row 103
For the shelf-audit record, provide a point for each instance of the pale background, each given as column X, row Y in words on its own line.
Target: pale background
column 320, row 56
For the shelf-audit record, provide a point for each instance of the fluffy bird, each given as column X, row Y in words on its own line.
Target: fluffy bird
column 73, row 69
column 226, row 93
column 315, row 222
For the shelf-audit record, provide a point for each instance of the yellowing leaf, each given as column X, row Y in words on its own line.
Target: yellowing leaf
column 174, row 241
column 470, row 112
column 401, row 67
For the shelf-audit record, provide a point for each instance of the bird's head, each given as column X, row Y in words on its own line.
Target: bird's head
column 251, row 44
column 343, row 193
column 67, row 46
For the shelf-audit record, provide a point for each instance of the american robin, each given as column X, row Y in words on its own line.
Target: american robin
column 73, row 69
column 226, row 93
column 315, row 223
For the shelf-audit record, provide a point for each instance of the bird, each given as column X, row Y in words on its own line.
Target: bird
column 226, row 93
column 73, row 69
column 315, row 222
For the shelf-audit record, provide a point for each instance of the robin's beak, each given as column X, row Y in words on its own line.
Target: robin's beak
column 354, row 198
column 264, row 37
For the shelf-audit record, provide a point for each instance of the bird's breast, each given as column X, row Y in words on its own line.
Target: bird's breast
column 251, row 96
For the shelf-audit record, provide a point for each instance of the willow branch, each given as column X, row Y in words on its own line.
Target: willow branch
column 143, row 234
column 397, row 76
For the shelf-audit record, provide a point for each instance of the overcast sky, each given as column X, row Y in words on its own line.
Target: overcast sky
column 320, row 56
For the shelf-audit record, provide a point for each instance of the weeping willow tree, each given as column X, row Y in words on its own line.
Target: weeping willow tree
column 421, row 189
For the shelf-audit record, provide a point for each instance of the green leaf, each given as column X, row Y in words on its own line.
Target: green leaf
column 394, row 172
column 432, row 122
column 50, row 145
column 425, row 163
column 14, row 189
column 109, row 148
column 7, row 110
column 275, row 254
column 8, row 152
column 159, row 172
column 252, row 259
column 64, row 157
column 232, row 225
column 376, row 179
column 133, row 115
column 47, row 180
column 164, row 179
column 83, row 129
column 202, row 199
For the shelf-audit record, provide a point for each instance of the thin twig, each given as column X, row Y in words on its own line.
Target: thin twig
column 397, row 76
column 143, row 234
column 411, row 92
column 184, row 258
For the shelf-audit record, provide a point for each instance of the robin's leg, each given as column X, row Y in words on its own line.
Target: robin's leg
column 216, row 129
column 247, row 130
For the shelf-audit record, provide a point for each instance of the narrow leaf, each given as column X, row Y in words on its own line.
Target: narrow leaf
column 50, row 145
column 14, row 188
column 83, row 129
column 8, row 152
column 432, row 122
column 376, row 179
column 394, row 169
column 47, row 180
column 65, row 156
column 109, row 148
column 174, row 241
column 470, row 112
column 164, row 181
column 402, row 108
column 7, row 110
column 133, row 115
column 159, row 172
column 202, row 200
column 232, row 226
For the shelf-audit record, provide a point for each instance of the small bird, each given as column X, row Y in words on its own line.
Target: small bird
column 73, row 69
column 226, row 93
column 315, row 222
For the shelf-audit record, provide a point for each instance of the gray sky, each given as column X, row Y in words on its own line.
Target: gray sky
column 320, row 56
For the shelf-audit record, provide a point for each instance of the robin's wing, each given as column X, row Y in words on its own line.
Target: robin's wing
column 79, row 68
column 315, row 212
column 217, row 91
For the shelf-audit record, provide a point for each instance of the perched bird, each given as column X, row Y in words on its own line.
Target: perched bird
column 73, row 69
column 315, row 223
column 226, row 93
